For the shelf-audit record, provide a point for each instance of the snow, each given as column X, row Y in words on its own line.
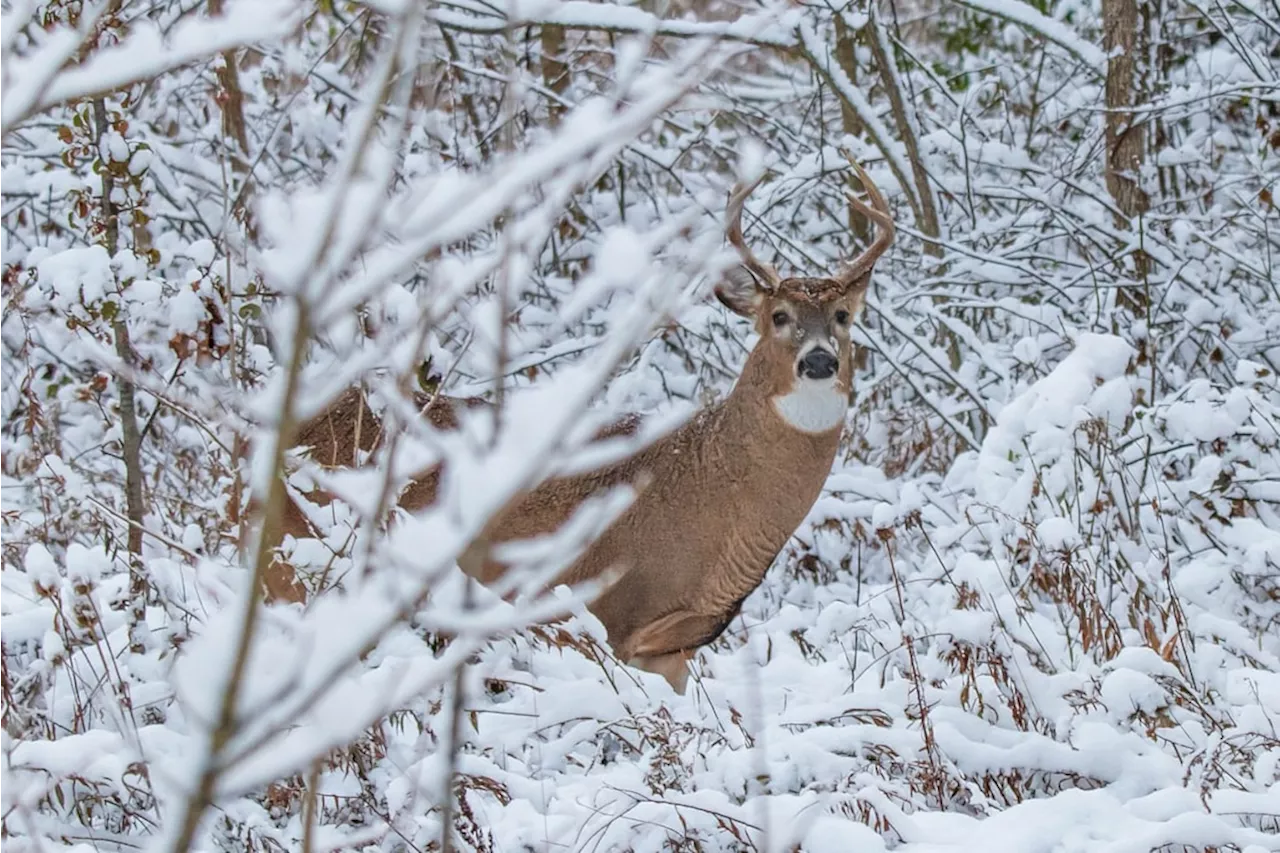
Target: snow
column 144, row 53
column 40, row 567
column 77, row 274
column 763, row 29
column 201, row 252
column 1054, row 30
column 186, row 310
column 1058, row 534
column 1032, row 609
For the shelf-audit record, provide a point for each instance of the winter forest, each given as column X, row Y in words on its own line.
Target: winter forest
column 1034, row 605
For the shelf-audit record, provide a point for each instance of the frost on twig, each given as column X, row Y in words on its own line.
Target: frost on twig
column 1038, row 590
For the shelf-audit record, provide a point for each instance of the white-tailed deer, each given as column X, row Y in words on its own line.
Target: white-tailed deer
column 717, row 498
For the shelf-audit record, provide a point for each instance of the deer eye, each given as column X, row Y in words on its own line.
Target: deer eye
column 781, row 318
column 842, row 317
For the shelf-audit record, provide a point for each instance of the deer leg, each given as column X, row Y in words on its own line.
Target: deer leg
column 673, row 667
column 675, row 632
column 665, row 645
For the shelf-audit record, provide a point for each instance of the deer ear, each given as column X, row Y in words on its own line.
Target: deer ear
column 858, row 295
column 739, row 291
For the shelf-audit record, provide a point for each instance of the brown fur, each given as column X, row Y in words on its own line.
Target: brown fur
column 717, row 499
column 349, row 430
column 338, row 437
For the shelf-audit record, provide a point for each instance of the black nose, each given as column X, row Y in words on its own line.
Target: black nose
column 818, row 364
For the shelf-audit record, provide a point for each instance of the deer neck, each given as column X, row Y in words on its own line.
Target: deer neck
column 813, row 408
column 765, row 474
column 786, row 432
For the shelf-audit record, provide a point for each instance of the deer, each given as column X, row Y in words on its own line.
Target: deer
column 716, row 499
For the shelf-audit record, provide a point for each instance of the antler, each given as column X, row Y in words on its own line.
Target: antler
column 877, row 213
column 764, row 273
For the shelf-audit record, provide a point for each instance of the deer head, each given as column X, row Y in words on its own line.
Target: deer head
column 804, row 355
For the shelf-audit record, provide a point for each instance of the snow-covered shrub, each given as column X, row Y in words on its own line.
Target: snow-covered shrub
column 1035, row 608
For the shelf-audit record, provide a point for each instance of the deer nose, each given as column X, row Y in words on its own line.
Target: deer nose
column 818, row 364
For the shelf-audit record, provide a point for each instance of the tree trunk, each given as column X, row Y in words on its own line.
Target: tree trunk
column 846, row 40
column 928, row 221
column 555, row 73
column 230, row 100
column 1126, row 141
column 130, row 435
column 888, row 71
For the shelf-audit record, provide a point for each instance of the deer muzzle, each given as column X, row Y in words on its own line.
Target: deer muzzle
column 817, row 363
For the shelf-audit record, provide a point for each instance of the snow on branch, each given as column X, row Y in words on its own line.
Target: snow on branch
column 816, row 51
column 1055, row 31
column 765, row 29
column 1060, row 549
column 38, row 79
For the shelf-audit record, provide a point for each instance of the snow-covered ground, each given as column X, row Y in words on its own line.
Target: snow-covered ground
column 1036, row 607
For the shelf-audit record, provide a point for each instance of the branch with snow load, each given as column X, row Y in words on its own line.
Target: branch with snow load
column 1025, row 15
column 766, row 29
column 46, row 73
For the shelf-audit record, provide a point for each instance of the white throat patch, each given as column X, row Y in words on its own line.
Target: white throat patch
column 815, row 406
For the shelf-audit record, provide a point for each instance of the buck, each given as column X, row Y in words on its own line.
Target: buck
column 716, row 499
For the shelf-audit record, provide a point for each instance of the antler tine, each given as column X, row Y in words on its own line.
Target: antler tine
column 764, row 273
column 877, row 213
